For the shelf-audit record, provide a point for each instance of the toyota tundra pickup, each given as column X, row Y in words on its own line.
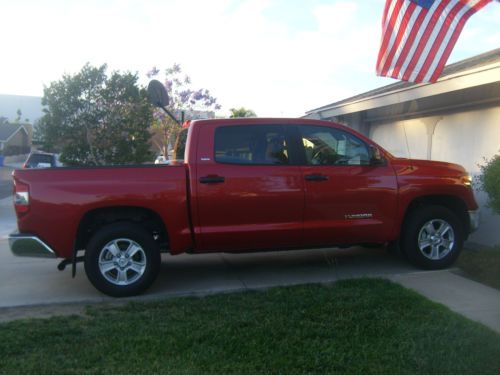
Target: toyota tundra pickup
column 240, row 185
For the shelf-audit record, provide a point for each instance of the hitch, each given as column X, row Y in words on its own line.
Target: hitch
column 61, row 266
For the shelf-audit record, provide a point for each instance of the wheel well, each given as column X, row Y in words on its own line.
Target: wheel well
column 96, row 219
column 454, row 204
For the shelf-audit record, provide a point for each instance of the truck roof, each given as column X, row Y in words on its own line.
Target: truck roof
column 259, row 120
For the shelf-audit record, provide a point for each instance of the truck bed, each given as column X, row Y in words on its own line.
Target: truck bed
column 69, row 194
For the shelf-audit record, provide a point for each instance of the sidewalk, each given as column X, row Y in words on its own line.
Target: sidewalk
column 468, row 298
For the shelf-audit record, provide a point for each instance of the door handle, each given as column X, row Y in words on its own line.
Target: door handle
column 316, row 177
column 212, row 179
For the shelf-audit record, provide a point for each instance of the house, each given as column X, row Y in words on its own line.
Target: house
column 456, row 119
column 15, row 139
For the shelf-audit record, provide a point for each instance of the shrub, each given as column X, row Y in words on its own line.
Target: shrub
column 489, row 181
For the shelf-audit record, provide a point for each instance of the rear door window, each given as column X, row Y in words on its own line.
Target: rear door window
column 252, row 144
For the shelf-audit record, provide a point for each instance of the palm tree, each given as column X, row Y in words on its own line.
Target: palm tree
column 242, row 112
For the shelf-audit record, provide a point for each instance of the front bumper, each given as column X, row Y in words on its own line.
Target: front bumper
column 474, row 217
column 27, row 245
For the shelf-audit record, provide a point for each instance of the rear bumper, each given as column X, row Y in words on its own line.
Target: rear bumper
column 27, row 245
column 474, row 217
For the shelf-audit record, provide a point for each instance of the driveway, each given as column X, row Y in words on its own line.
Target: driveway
column 44, row 291
column 31, row 281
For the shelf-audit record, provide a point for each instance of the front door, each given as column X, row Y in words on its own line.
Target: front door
column 249, row 193
column 347, row 198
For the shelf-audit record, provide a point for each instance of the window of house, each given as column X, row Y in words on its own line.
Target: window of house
column 330, row 146
column 251, row 144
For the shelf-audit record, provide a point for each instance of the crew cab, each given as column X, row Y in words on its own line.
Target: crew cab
column 239, row 185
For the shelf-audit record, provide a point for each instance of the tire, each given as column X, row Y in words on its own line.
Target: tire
column 122, row 260
column 432, row 237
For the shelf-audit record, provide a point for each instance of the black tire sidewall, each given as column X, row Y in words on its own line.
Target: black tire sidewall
column 412, row 228
column 122, row 230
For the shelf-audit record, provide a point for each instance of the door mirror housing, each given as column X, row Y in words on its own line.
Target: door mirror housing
column 157, row 94
column 376, row 157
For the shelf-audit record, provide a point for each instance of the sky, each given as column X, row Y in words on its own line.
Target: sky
column 279, row 58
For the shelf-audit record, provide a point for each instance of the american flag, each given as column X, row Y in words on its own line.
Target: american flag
column 419, row 35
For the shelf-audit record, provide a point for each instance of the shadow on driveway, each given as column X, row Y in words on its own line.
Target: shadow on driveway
column 31, row 281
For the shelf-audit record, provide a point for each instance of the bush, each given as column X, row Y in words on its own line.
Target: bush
column 489, row 181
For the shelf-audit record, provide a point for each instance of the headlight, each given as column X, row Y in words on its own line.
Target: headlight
column 467, row 180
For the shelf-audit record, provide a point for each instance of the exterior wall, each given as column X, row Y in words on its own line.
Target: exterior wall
column 19, row 143
column 464, row 138
column 20, row 140
column 391, row 136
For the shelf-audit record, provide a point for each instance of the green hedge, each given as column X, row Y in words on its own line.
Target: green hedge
column 489, row 181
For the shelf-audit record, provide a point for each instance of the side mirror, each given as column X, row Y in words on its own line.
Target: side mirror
column 157, row 94
column 376, row 157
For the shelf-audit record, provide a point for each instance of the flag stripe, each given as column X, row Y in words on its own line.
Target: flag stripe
column 403, row 52
column 454, row 38
column 398, row 22
column 407, row 37
column 433, row 35
column 394, row 8
column 418, row 36
column 431, row 18
column 399, row 36
column 458, row 13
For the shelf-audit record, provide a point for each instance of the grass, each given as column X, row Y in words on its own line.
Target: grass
column 481, row 265
column 356, row 326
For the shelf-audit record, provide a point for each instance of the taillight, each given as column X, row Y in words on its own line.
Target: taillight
column 21, row 197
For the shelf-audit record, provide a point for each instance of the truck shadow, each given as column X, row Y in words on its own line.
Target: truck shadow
column 211, row 273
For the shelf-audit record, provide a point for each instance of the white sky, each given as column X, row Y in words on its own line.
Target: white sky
column 277, row 57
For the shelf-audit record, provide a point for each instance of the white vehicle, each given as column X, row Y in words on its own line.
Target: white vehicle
column 161, row 160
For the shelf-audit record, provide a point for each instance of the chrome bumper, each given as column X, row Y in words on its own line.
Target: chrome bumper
column 474, row 217
column 26, row 245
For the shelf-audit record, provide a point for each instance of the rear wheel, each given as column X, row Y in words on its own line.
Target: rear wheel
column 432, row 237
column 122, row 260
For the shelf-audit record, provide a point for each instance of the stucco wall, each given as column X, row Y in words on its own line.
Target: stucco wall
column 464, row 138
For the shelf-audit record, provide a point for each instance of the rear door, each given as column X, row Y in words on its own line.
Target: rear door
column 348, row 200
column 249, row 190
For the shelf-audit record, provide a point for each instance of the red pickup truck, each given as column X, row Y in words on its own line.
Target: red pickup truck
column 241, row 185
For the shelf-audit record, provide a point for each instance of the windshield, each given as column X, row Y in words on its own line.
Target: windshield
column 35, row 159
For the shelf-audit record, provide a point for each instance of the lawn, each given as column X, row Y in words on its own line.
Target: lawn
column 356, row 326
column 481, row 265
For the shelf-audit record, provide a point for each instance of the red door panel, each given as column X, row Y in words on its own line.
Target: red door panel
column 355, row 204
column 348, row 200
column 245, row 206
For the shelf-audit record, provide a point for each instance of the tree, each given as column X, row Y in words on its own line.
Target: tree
column 489, row 181
column 96, row 119
column 242, row 112
column 183, row 99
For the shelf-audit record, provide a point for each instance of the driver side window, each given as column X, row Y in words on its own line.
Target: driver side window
column 330, row 146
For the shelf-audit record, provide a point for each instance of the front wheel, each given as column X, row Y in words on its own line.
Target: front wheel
column 432, row 237
column 122, row 260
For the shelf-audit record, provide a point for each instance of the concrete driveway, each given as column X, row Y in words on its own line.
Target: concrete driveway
column 31, row 281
